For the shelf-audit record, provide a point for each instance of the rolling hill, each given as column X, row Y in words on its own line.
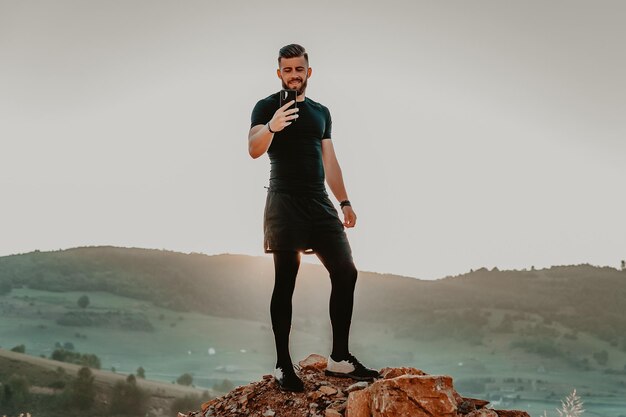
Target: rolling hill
column 523, row 338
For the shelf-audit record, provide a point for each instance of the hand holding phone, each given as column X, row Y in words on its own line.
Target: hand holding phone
column 288, row 95
column 287, row 113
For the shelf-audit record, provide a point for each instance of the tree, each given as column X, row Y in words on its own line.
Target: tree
column 83, row 301
column 128, row 399
column 189, row 402
column 224, row 386
column 16, row 392
column 83, row 391
column 185, row 379
column 141, row 373
column 6, row 287
column 19, row 349
column 623, row 265
column 86, row 359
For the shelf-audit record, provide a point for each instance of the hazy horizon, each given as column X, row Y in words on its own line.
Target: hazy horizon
column 483, row 134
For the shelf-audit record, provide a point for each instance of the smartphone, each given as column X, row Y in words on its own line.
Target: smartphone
column 286, row 96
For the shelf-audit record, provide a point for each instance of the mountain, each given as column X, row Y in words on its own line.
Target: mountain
column 582, row 297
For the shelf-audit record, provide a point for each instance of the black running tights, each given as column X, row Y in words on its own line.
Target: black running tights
column 343, row 276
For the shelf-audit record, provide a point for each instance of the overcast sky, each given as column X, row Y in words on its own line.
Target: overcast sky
column 470, row 133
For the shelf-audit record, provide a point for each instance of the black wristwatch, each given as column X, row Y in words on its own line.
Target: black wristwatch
column 345, row 203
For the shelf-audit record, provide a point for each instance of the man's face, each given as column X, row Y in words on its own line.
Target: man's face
column 294, row 73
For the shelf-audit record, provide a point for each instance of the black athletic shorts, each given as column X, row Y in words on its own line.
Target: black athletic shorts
column 303, row 222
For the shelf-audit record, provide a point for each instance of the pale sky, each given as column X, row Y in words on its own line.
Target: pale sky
column 470, row 133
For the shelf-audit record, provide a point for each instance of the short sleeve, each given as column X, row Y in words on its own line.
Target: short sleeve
column 329, row 125
column 262, row 113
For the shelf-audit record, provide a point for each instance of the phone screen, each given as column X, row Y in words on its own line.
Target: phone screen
column 286, row 96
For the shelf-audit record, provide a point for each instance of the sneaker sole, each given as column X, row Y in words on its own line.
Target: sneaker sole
column 344, row 375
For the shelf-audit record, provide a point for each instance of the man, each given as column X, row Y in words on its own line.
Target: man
column 300, row 218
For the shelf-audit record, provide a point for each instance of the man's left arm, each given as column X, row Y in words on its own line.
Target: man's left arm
column 334, row 178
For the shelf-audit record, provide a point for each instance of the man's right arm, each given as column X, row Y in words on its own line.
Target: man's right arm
column 259, row 140
column 260, row 137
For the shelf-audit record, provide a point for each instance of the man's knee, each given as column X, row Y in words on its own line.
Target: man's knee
column 345, row 273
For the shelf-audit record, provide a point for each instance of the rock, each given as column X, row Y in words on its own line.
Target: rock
column 511, row 413
column 315, row 395
column 414, row 395
column 338, row 405
column 471, row 404
column 466, row 407
column 207, row 405
column 313, row 362
column 388, row 373
column 358, row 404
column 401, row 392
column 328, row 390
column 357, row 386
column 483, row 412
column 410, row 395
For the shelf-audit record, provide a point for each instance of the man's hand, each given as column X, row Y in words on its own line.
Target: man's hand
column 349, row 217
column 282, row 118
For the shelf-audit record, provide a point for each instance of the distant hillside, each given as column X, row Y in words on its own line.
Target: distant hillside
column 48, row 379
column 582, row 298
column 522, row 338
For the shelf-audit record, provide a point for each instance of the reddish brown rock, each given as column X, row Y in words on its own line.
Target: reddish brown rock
column 328, row 390
column 315, row 395
column 467, row 405
column 388, row 373
column 477, row 403
column 413, row 395
column 405, row 395
column 511, row 413
column 357, row 386
column 483, row 412
column 358, row 404
column 313, row 362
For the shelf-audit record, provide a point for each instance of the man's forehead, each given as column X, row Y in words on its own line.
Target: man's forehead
column 299, row 61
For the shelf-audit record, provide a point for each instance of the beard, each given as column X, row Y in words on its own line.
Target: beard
column 299, row 90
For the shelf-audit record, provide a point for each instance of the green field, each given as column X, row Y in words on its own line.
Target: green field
column 179, row 344
column 244, row 351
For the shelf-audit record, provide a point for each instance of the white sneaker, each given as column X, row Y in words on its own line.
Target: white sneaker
column 350, row 368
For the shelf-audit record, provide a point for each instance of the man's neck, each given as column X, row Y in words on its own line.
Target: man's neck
column 300, row 98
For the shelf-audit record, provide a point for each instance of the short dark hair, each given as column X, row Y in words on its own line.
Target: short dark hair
column 292, row 51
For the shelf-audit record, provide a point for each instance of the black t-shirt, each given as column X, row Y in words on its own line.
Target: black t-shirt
column 296, row 151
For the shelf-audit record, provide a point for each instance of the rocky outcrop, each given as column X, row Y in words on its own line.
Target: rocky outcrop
column 400, row 392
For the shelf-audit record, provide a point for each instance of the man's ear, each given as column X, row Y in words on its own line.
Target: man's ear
column 309, row 72
column 278, row 73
